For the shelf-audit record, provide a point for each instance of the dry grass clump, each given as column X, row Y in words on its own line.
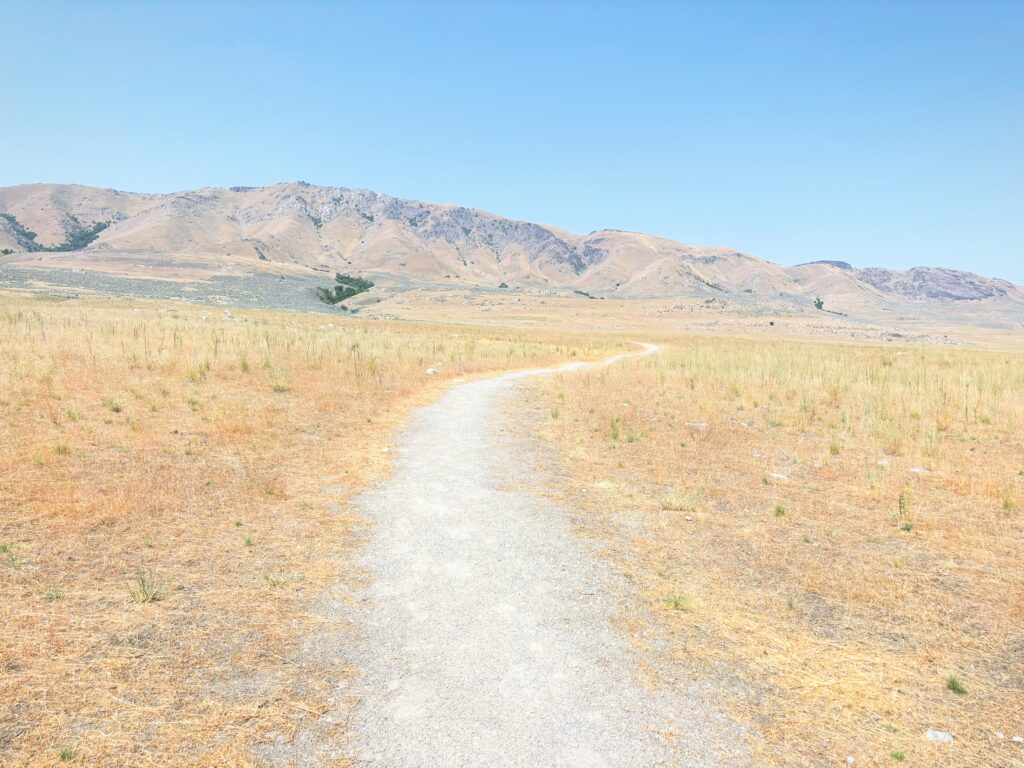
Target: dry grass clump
column 838, row 526
column 172, row 483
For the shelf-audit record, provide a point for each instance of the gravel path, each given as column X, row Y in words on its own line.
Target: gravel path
column 487, row 626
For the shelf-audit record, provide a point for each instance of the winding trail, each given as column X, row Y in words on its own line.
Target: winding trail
column 487, row 633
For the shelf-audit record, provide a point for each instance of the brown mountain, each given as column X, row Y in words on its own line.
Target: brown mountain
column 298, row 228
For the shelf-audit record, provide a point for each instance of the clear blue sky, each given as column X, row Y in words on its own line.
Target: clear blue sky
column 888, row 133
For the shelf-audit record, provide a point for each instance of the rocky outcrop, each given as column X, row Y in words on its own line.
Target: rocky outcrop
column 935, row 284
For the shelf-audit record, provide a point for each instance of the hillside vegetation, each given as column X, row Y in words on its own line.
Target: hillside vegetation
column 837, row 528
column 77, row 236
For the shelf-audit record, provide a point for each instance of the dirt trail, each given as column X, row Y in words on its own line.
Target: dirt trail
column 486, row 628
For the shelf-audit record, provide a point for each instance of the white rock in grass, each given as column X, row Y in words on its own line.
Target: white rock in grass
column 1017, row 739
column 850, row 760
column 777, row 476
column 432, row 371
column 883, row 463
column 942, row 736
column 918, row 471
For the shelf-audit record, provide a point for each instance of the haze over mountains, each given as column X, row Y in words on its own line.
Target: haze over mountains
column 295, row 228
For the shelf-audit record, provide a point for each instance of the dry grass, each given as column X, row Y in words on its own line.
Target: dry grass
column 172, row 489
column 766, row 498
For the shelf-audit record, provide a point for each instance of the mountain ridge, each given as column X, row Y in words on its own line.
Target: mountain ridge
column 301, row 226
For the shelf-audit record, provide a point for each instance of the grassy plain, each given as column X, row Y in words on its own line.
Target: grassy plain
column 173, row 483
column 838, row 529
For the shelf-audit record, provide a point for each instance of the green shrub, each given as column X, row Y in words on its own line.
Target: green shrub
column 76, row 235
column 346, row 288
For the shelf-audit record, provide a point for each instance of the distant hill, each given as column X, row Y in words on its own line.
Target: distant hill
column 298, row 227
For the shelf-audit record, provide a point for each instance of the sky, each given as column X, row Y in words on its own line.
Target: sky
column 879, row 133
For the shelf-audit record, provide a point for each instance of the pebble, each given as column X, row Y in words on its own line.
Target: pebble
column 932, row 735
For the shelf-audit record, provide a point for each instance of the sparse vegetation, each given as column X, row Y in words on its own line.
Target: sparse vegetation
column 954, row 684
column 678, row 603
column 846, row 589
column 76, row 235
column 93, row 620
column 903, row 504
column 146, row 589
column 20, row 232
column 678, row 503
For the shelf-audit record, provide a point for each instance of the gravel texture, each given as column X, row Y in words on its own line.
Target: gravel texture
column 487, row 628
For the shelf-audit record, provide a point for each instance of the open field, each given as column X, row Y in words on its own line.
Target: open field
column 837, row 528
column 833, row 531
column 228, row 283
column 173, row 484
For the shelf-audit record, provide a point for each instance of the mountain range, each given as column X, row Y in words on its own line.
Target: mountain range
column 297, row 228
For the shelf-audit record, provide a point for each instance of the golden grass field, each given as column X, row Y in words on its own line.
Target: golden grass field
column 172, row 502
column 173, row 488
column 767, row 499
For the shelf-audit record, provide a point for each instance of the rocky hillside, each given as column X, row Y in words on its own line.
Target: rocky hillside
column 301, row 227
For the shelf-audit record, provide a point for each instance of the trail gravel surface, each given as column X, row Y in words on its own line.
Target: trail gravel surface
column 487, row 628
